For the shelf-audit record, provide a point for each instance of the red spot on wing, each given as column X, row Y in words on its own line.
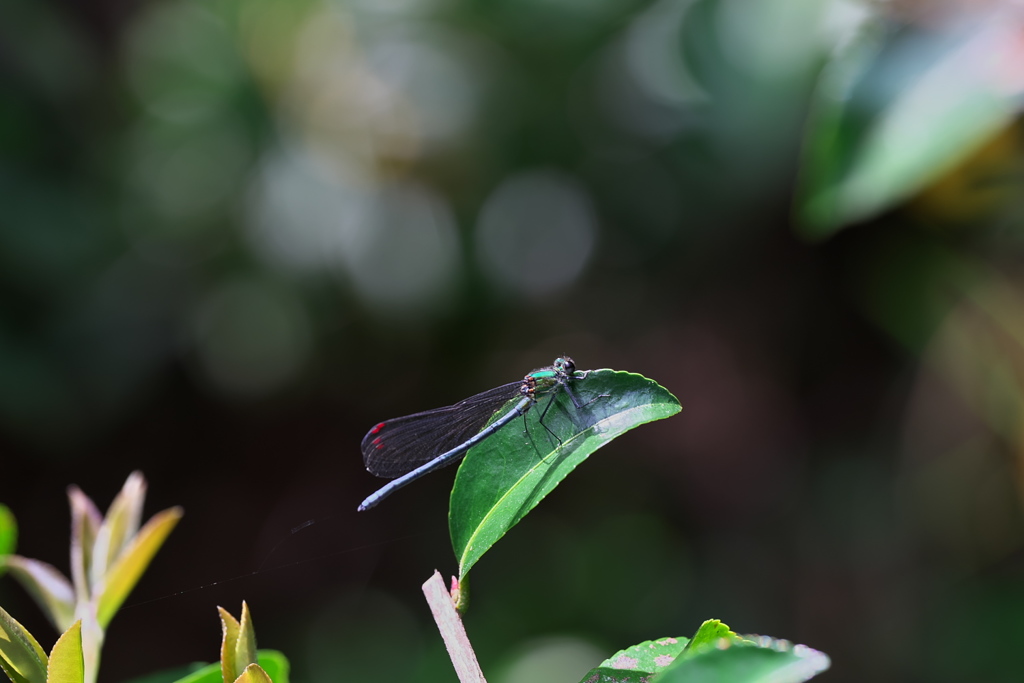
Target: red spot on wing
column 378, row 427
column 379, row 445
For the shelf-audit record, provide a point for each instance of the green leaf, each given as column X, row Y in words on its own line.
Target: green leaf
column 21, row 657
column 752, row 659
column 649, row 656
column 607, row 675
column 178, row 674
column 8, row 534
column 273, row 662
column 636, row 664
column 238, row 646
column 897, row 110
column 85, row 522
column 245, row 647
column 119, row 526
column 504, row 477
column 48, row 587
column 92, row 640
column 211, row 673
column 66, row 662
column 708, row 635
column 125, row 573
column 253, row 674
column 229, row 639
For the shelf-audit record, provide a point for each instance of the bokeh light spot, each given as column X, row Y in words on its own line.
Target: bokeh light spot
column 305, row 210
column 426, row 67
column 182, row 65
column 396, row 241
column 536, row 233
column 251, row 338
column 410, row 261
column 654, row 58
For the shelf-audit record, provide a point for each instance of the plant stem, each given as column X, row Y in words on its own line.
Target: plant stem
column 452, row 631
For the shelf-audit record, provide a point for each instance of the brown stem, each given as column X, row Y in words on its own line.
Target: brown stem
column 452, row 631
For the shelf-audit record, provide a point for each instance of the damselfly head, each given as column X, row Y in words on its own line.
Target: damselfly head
column 565, row 365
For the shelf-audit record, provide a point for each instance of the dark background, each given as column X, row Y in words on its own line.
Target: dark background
column 235, row 235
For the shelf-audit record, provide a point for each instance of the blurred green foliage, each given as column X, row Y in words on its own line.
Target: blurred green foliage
column 233, row 235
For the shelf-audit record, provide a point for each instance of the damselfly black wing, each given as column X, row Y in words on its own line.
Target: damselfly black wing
column 398, row 446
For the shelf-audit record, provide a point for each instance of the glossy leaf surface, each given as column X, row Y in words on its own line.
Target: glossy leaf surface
column 708, row 635
column 504, row 477
column 636, row 664
column 752, row 659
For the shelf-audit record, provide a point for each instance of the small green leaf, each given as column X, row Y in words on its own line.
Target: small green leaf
column 8, row 534
column 752, row 659
column 66, row 662
column 229, row 640
column 245, row 646
column 253, row 674
column 708, row 635
column 48, row 587
column 636, row 664
column 21, row 657
column 125, row 573
column 119, row 526
column 504, row 477
column 85, row 522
